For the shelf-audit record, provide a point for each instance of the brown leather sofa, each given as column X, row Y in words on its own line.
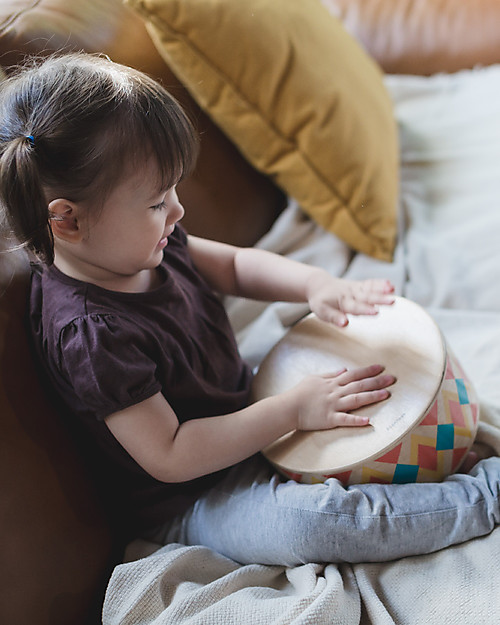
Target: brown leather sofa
column 57, row 549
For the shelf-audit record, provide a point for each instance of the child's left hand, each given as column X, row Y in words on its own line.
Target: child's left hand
column 332, row 298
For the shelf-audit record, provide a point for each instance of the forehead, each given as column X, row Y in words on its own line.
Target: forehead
column 139, row 182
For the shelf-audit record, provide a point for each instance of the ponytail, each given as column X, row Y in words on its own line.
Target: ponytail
column 22, row 195
column 73, row 126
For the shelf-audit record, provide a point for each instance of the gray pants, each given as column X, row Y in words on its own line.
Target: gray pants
column 252, row 516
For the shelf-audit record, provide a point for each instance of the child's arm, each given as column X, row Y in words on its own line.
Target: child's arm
column 257, row 274
column 174, row 452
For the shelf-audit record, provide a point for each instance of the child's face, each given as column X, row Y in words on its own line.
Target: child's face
column 127, row 237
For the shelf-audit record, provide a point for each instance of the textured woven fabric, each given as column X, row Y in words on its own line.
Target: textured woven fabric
column 195, row 586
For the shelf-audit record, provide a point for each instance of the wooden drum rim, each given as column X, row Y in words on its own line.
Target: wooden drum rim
column 403, row 337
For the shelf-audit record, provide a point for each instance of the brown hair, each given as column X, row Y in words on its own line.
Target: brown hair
column 71, row 126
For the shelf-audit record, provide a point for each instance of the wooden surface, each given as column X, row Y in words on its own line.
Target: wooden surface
column 403, row 337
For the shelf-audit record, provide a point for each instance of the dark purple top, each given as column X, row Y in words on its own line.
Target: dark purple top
column 104, row 351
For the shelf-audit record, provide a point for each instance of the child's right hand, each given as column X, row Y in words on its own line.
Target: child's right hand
column 326, row 401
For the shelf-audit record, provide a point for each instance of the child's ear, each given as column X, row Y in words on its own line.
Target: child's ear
column 63, row 216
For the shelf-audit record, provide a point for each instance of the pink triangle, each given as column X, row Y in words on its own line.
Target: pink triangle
column 379, row 480
column 427, row 457
column 457, row 416
column 449, row 375
column 341, row 477
column 391, row 456
column 431, row 418
column 458, row 454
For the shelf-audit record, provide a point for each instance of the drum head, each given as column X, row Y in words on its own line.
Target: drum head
column 402, row 337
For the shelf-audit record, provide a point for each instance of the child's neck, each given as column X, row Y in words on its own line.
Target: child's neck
column 141, row 282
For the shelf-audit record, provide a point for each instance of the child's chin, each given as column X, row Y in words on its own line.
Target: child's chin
column 157, row 257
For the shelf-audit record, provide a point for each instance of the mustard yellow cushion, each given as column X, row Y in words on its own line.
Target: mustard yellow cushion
column 300, row 99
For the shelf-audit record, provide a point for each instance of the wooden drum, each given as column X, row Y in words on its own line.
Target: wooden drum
column 420, row 434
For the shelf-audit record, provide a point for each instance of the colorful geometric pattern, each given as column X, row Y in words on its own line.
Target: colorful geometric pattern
column 429, row 452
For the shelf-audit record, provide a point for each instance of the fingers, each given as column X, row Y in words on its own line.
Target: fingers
column 356, row 298
column 328, row 400
column 362, row 300
column 359, row 400
column 334, row 374
column 362, row 387
column 343, row 419
column 366, row 379
column 347, row 376
column 356, row 388
column 377, row 288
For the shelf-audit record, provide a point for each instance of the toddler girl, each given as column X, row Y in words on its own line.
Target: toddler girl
column 126, row 320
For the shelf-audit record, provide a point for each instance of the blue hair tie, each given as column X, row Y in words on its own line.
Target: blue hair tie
column 31, row 139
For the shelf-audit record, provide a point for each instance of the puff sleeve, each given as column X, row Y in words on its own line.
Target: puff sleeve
column 105, row 361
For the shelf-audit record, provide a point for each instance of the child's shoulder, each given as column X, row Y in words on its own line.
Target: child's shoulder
column 60, row 302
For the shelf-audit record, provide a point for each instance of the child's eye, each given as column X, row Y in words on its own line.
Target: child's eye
column 159, row 206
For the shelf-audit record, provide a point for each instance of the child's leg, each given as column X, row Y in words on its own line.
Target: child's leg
column 254, row 517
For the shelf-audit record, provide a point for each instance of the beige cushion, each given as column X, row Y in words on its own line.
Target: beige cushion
column 300, row 99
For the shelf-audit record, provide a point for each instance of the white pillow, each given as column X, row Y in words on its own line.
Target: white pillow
column 450, row 186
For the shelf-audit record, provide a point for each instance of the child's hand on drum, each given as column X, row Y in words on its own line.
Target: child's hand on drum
column 325, row 401
column 332, row 298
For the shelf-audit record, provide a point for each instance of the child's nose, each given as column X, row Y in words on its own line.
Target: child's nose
column 178, row 210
